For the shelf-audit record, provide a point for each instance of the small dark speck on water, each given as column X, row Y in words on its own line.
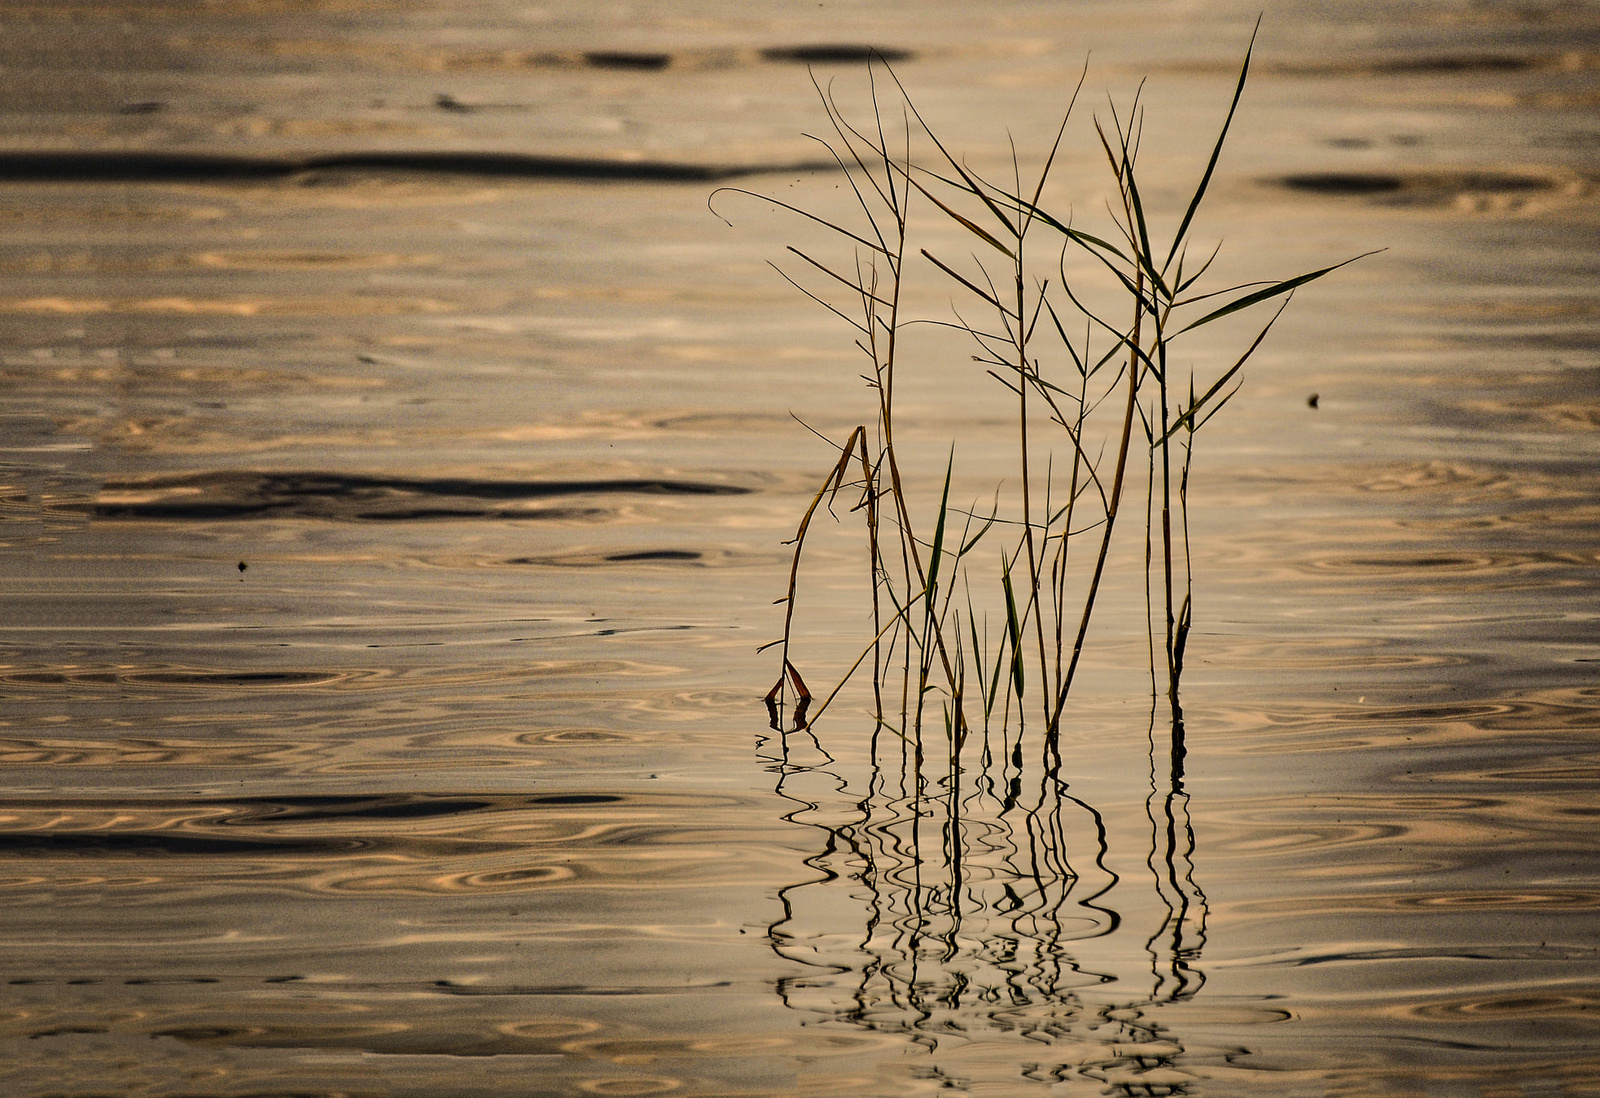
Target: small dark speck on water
column 1313, row 399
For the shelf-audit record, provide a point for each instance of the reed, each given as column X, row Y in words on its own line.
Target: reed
column 1089, row 383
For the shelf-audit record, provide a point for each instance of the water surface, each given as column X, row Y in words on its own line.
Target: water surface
column 397, row 453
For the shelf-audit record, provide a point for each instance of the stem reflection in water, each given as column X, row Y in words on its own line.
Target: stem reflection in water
column 944, row 902
column 1175, row 946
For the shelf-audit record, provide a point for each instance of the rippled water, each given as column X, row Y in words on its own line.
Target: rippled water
column 396, row 457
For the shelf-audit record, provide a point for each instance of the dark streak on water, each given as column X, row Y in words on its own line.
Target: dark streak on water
column 1439, row 64
column 171, row 678
column 839, row 54
column 641, row 556
column 627, row 59
column 655, row 555
column 112, row 844
column 161, row 167
column 241, row 495
column 414, row 806
column 1421, row 184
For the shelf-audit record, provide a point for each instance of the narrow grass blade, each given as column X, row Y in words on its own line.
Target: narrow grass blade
column 1146, row 259
column 1013, row 626
column 1049, row 161
column 972, row 186
column 988, row 524
column 1181, row 638
column 856, row 324
column 1188, row 416
column 1216, row 152
column 965, row 223
column 831, row 273
column 865, row 652
column 938, row 530
column 794, row 209
column 986, row 296
column 1272, row 291
column 977, row 656
column 1185, row 283
column 1033, row 211
column 1217, row 407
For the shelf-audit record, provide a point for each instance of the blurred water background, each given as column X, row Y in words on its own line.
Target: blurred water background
column 395, row 453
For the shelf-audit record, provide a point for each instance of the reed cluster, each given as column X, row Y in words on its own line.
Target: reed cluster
column 1095, row 388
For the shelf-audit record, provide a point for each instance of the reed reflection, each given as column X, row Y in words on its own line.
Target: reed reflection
column 953, row 895
column 1176, row 945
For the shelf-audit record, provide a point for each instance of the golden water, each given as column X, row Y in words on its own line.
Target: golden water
column 388, row 530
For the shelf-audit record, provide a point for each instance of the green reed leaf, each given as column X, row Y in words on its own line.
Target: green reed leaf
column 938, row 531
column 1216, row 151
column 1013, row 625
column 1272, row 291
